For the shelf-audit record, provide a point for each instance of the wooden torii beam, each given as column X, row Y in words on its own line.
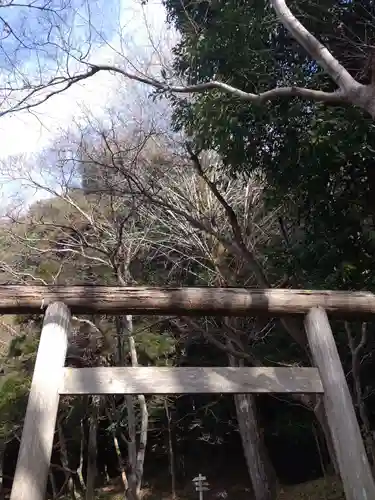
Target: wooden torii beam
column 17, row 299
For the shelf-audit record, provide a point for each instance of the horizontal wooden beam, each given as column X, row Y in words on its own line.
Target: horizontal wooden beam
column 192, row 380
column 184, row 301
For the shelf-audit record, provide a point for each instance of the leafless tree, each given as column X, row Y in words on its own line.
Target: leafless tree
column 349, row 90
column 357, row 349
column 100, row 226
column 213, row 222
column 103, row 233
column 203, row 217
column 38, row 34
column 189, row 213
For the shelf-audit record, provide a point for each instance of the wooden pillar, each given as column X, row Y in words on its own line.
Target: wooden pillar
column 347, row 440
column 34, row 456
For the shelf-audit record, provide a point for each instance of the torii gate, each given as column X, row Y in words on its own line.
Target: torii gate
column 51, row 379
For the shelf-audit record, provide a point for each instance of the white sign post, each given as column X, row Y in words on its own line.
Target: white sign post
column 201, row 485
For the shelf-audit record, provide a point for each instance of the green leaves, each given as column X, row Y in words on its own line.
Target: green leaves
column 317, row 159
column 14, row 388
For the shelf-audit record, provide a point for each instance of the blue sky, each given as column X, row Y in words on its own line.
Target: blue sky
column 32, row 27
column 120, row 34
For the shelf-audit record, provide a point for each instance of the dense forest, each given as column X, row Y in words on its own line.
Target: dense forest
column 229, row 193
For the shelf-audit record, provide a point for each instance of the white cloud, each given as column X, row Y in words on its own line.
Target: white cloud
column 25, row 133
column 140, row 31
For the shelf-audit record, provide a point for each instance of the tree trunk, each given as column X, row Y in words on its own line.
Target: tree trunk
column 136, row 454
column 142, row 442
column 321, row 418
column 119, row 455
column 92, row 449
column 172, row 469
column 131, row 492
column 53, row 484
column 82, row 484
column 358, row 394
column 121, row 463
column 136, row 476
column 262, row 474
column 2, row 453
column 69, row 482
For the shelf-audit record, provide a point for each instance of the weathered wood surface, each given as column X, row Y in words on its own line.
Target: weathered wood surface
column 351, row 455
column 191, row 380
column 34, row 456
column 197, row 301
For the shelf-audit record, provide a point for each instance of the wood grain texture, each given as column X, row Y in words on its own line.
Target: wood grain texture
column 34, row 456
column 346, row 436
column 195, row 301
column 192, row 380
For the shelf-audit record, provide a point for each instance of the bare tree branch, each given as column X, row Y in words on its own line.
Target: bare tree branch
column 314, row 48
